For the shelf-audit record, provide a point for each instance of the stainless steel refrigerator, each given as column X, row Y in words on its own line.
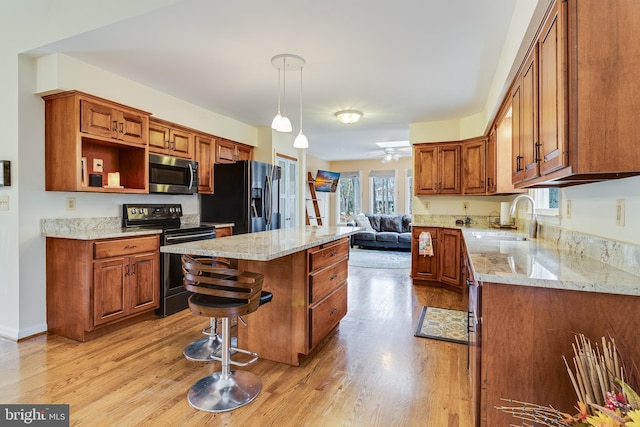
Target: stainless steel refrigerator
column 247, row 194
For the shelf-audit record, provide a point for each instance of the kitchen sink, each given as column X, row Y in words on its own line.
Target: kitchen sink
column 499, row 235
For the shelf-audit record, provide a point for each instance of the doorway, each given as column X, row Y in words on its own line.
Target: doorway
column 288, row 190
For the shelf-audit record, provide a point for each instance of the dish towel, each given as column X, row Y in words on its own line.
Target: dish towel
column 425, row 245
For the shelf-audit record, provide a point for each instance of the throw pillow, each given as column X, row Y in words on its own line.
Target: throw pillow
column 391, row 223
column 363, row 221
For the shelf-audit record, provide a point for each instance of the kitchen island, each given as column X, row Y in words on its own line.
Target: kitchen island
column 528, row 298
column 306, row 270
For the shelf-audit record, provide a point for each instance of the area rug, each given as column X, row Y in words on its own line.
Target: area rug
column 371, row 258
column 443, row 324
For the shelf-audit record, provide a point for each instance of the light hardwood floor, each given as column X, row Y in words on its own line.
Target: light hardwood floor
column 370, row 371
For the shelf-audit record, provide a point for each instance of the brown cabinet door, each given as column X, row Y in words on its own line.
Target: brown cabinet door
column 450, row 256
column 225, row 152
column 425, row 167
column 449, row 169
column 474, row 164
column 516, row 137
column 132, row 127
column 110, row 290
column 205, row 156
column 424, row 267
column 159, row 136
column 98, row 119
column 551, row 96
column 491, row 162
column 181, row 144
column 529, row 119
column 244, row 152
column 144, row 282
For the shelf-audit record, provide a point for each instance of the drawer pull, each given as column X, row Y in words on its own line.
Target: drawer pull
column 130, row 247
column 334, row 253
column 334, row 277
column 333, row 311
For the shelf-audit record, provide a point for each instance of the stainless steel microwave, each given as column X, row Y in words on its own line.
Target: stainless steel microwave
column 172, row 175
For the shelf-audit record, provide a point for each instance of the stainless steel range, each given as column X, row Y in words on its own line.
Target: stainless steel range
column 173, row 296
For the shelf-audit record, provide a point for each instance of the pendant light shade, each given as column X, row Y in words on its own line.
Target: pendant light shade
column 301, row 140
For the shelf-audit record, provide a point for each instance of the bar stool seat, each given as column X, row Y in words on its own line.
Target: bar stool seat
column 223, row 293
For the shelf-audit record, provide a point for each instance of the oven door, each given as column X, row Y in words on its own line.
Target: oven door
column 173, row 296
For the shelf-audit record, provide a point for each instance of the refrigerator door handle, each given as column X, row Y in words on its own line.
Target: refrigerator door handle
column 268, row 201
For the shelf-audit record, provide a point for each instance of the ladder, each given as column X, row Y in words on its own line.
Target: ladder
column 314, row 200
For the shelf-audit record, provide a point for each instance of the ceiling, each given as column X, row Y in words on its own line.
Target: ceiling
column 397, row 62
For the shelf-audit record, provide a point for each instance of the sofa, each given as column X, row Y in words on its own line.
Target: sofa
column 382, row 231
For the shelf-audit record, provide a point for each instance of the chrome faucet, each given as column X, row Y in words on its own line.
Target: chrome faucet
column 533, row 225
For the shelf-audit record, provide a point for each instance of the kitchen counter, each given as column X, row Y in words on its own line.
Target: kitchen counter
column 264, row 245
column 113, row 232
column 541, row 263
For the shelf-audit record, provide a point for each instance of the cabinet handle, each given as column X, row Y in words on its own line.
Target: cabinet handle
column 334, row 277
column 333, row 311
column 334, row 253
column 489, row 182
column 130, row 247
column 518, row 167
column 126, row 271
column 537, row 152
column 121, row 127
column 115, row 126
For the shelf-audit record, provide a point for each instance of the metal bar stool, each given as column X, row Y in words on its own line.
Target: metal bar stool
column 205, row 349
column 223, row 293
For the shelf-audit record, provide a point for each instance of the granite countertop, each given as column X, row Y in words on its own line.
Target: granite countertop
column 264, row 245
column 541, row 263
column 108, row 231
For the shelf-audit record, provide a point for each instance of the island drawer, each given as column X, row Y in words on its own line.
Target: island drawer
column 322, row 282
column 123, row 247
column 323, row 255
column 327, row 314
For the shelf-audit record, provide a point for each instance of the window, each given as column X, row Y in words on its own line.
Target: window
column 349, row 194
column 547, row 201
column 383, row 191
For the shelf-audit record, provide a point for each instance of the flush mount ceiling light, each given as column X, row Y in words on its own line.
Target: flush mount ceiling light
column 284, row 62
column 348, row 116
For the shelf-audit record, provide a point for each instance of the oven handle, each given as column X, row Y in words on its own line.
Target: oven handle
column 190, row 236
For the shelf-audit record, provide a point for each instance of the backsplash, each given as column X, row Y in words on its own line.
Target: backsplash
column 64, row 225
column 620, row 255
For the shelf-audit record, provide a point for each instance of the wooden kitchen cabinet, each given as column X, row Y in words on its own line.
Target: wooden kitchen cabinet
column 223, row 232
column 88, row 135
column 95, row 286
column 474, row 166
column 524, row 104
column 310, row 298
column 205, row 156
column 437, row 168
column 444, row 268
column 170, row 139
column 584, row 124
column 230, row 152
column 328, row 271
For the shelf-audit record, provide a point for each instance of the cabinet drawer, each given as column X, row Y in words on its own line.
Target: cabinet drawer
column 322, row 282
column 326, row 315
column 122, row 247
column 324, row 255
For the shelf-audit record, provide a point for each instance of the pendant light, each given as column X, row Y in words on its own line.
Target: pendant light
column 301, row 140
column 281, row 122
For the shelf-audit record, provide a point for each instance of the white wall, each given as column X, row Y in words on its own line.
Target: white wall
column 26, row 25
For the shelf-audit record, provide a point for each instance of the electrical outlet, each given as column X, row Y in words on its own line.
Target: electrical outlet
column 568, row 209
column 465, row 205
column 70, row 203
column 620, row 212
column 97, row 165
column 426, row 204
